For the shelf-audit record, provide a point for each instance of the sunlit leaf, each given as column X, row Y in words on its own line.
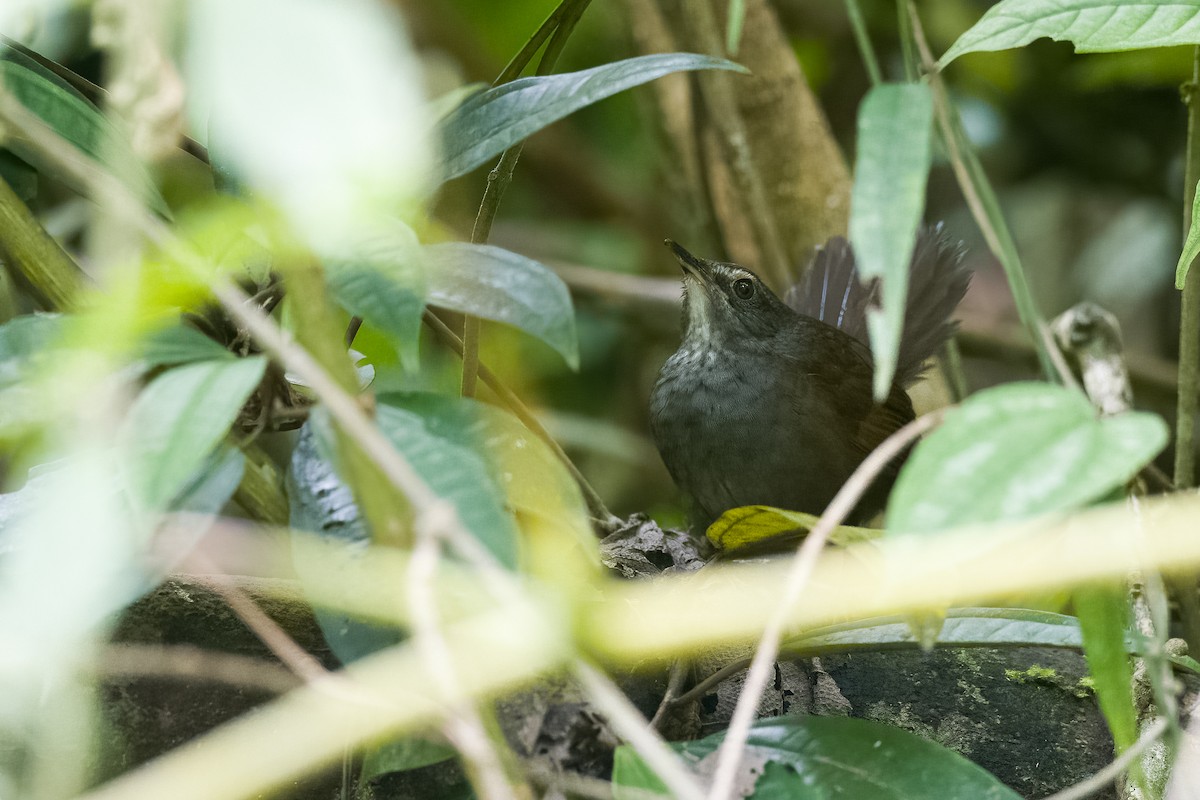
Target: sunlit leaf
column 317, row 106
column 748, row 526
column 1191, row 246
column 489, row 123
column 76, row 120
column 179, row 418
column 895, row 129
column 179, row 344
column 530, row 477
column 820, row 757
column 1016, row 451
column 1091, row 25
column 499, row 285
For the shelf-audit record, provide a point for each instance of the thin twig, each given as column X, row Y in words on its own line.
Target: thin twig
column 268, row 631
column 1189, row 327
column 680, row 670
column 863, row 40
column 185, row 662
column 1110, row 773
column 631, row 726
column 514, row 404
column 463, row 725
column 720, row 676
column 977, row 194
column 730, row 754
column 501, row 175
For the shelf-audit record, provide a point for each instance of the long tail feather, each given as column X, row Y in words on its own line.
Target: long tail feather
column 831, row 292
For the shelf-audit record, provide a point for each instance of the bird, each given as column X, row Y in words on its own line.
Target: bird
column 769, row 401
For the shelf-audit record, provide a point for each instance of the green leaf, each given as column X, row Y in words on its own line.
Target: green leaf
column 451, row 466
column 1016, row 451
column 180, row 344
column 1191, row 247
column 962, row 627
column 1093, row 26
column 895, row 126
column 383, row 282
column 823, row 757
column 752, row 526
column 1103, row 616
column 23, row 341
column 489, row 123
column 499, row 285
column 411, row 752
column 215, row 482
column 179, row 418
column 76, row 120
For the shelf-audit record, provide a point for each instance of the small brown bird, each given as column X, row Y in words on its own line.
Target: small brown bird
column 769, row 401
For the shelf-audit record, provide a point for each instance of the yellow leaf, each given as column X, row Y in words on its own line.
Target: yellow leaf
column 764, row 529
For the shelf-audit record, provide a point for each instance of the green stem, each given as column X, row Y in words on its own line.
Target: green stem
column 981, row 199
column 35, row 257
column 1189, row 329
column 563, row 20
column 863, row 39
column 908, row 45
column 952, row 368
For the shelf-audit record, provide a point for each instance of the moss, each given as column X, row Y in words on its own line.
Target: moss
column 1083, row 688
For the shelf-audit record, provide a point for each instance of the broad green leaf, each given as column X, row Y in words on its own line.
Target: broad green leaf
column 1103, row 617
column 489, row 123
column 382, row 281
column 451, row 442
column 457, row 472
column 179, row 418
column 750, row 526
column 895, row 126
column 1016, row 451
column 404, row 754
column 24, row 341
column 76, row 120
column 824, row 757
column 529, row 476
column 1093, row 26
column 962, row 627
column 214, row 483
column 499, row 285
column 1191, row 246
column 179, row 344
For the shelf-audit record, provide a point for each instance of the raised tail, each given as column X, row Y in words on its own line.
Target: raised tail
column 831, row 292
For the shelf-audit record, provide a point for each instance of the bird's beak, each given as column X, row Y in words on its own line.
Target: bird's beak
column 697, row 267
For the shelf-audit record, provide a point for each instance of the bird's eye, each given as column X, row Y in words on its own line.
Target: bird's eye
column 743, row 288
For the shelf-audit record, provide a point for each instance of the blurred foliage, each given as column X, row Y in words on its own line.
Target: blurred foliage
column 453, row 555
